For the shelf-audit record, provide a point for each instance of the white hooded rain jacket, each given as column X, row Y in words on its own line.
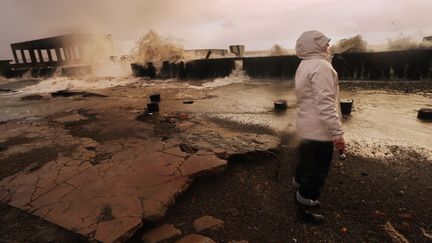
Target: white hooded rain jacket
column 317, row 90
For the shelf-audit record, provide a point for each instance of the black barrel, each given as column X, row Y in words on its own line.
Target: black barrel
column 346, row 106
column 280, row 105
column 153, row 107
column 155, row 97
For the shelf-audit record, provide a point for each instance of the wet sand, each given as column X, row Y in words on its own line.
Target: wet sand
column 388, row 146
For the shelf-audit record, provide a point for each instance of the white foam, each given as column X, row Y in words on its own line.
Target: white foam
column 386, row 148
column 61, row 83
column 238, row 75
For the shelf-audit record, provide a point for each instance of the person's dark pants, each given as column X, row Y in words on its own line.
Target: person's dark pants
column 313, row 167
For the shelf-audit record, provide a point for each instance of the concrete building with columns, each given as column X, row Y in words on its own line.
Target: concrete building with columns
column 64, row 51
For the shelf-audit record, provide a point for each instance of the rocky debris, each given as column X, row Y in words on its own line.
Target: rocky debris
column 394, row 235
column 207, row 222
column 185, row 125
column 32, row 97
column 177, row 151
column 194, row 238
column 71, row 118
column 187, row 148
column 105, row 214
column 344, row 230
column 182, row 116
column 198, row 165
column 204, row 152
column 188, row 102
column 116, row 230
column 162, row 233
column 221, row 153
column 89, row 143
column 68, row 93
column 231, row 145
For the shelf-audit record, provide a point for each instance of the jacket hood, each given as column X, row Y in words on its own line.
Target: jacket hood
column 312, row 45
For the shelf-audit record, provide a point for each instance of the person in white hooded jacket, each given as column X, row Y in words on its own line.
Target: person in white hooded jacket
column 318, row 121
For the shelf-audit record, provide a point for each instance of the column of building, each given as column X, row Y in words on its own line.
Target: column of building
column 32, row 56
column 15, row 55
column 41, row 59
column 36, row 54
column 23, row 56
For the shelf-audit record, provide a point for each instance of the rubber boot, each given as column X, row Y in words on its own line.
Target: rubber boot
column 305, row 215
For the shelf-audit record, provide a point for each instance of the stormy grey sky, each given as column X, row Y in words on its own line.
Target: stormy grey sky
column 215, row 23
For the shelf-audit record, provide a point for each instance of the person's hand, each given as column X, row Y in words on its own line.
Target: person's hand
column 339, row 143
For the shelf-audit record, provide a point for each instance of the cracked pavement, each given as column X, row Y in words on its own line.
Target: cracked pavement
column 107, row 185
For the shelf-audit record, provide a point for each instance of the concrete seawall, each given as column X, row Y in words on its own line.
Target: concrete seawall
column 394, row 65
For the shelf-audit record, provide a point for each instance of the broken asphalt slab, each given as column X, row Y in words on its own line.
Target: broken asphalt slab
column 106, row 189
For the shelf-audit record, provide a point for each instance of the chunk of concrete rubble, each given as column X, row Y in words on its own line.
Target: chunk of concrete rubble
column 71, row 118
column 176, row 151
column 197, row 165
column 89, row 143
column 32, row 97
column 204, row 152
column 106, row 202
column 185, row 125
column 207, row 222
column 233, row 144
column 162, row 233
column 221, row 153
column 187, row 148
column 194, row 238
column 117, row 229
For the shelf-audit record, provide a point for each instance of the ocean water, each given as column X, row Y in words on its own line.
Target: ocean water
column 381, row 122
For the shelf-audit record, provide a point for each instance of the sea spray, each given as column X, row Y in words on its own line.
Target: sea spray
column 404, row 42
column 156, row 49
column 353, row 44
column 101, row 56
column 78, row 84
column 278, row 50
